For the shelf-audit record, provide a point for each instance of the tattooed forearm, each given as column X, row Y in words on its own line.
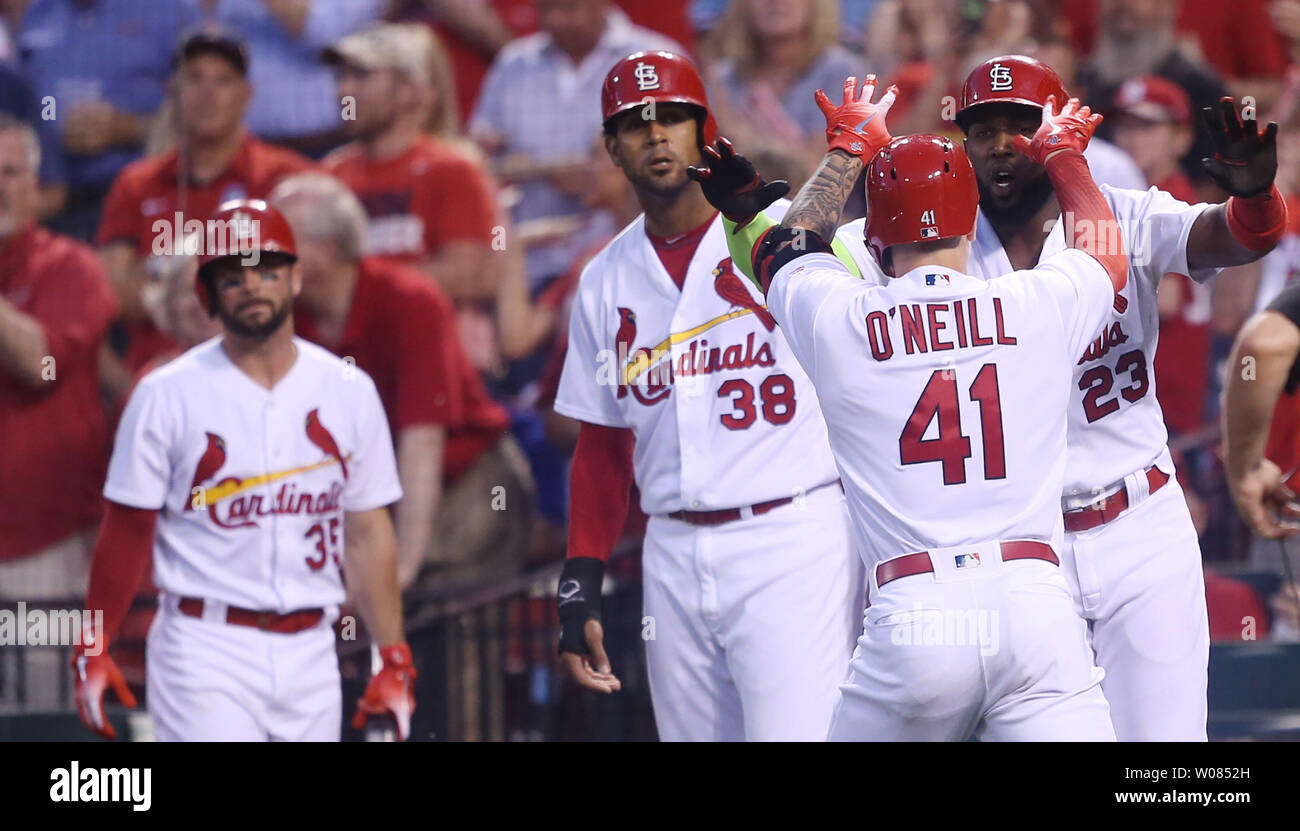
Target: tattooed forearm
column 820, row 201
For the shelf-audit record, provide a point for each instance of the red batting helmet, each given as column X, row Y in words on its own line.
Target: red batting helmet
column 237, row 229
column 1009, row 79
column 919, row 188
column 662, row 77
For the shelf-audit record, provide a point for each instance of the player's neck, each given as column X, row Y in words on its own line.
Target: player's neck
column 949, row 259
column 676, row 213
column 394, row 141
column 206, row 159
column 266, row 360
column 1023, row 241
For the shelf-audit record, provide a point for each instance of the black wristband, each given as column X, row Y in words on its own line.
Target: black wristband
column 578, row 600
column 779, row 245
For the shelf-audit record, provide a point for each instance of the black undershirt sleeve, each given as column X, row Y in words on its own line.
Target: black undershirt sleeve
column 1288, row 304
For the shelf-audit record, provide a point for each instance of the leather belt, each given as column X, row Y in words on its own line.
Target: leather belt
column 1110, row 507
column 908, row 565
column 285, row 624
column 731, row 514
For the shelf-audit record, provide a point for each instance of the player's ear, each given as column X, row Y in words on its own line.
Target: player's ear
column 611, row 147
column 295, row 277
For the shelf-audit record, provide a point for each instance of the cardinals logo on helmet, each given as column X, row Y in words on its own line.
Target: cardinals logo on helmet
column 1000, row 78
column 647, row 77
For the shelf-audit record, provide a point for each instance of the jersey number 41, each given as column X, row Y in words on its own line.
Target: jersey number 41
column 952, row 448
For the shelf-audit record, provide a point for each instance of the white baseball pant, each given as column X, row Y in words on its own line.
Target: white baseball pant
column 753, row 621
column 208, row 680
column 994, row 650
column 1139, row 583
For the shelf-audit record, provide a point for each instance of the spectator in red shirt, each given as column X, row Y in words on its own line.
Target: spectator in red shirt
column 429, row 204
column 222, row 161
column 55, row 308
column 467, row 505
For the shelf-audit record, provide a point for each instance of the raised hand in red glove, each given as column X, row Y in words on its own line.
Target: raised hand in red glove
column 95, row 674
column 1066, row 131
column 857, row 126
column 391, row 691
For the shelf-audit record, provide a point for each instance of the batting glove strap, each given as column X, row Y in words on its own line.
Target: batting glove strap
column 578, row 600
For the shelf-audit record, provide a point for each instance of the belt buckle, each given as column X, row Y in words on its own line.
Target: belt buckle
column 263, row 620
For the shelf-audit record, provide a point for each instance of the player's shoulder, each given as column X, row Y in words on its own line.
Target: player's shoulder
column 627, row 246
column 320, row 361
column 1133, row 202
column 192, row 369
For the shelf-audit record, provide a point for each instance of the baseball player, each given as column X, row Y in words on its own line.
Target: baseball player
column 681, row 380
column 946, row 396
column 257, row 466
column 1131, row 553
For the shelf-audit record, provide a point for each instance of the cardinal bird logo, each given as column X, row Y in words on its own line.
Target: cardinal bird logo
column 209, row 463
column 728, row 286
column 626, row 330
column 321, row 437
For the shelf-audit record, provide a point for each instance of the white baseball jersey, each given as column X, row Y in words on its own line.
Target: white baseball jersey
column 250, row 484
column 945, row 394
column 722, row 413
column 1116, row 426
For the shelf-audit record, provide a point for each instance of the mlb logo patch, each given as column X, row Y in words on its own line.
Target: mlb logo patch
column 929, row 233
column 937, row 279
column 967, row 560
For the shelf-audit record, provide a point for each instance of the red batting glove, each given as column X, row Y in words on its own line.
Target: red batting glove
column 94, row 675
column 390, row 691
column 857, row 126
column 1068, row 130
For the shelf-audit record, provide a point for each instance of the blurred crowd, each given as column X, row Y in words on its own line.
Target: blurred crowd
column 459, row 139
